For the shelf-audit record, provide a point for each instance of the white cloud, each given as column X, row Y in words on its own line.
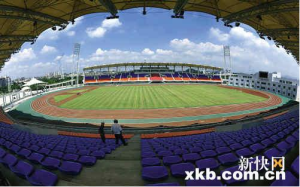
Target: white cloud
column 249, row 53
column 44, row 65
column 245, row 57
column 48, row 50
column 181, row 44
column 191, row 47
column 23, row 55
column 99, row 51
column 71, row 33
column 163, row 52
column 99, row 32
column 96, row 33
column 111, row 23
column 219, row 35
column 23, row 64
column 147, row 51
column 248, row 38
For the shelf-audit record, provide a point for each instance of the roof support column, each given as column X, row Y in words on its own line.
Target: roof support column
column 110, row 7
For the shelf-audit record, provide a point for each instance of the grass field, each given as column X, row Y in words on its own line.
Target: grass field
column 160, row 96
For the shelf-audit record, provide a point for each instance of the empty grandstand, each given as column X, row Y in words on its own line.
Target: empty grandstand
column 151, row 73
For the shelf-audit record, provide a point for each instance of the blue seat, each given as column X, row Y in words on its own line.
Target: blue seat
column 235, row 146
column 195, row 150
column 257, row 147
column 56, row 154
column 35, row 158
column 178, row 170
column 84, row 152
column 273, row 152
column 51, row 163
column 228, row 158
column 15, row 148
column 245, row 152
column 180, row 151
column 207, row 163
column 22, row 169
column 34, row 148
column 42, row 177
column 154, row 161
column 246, row 143
column 8, row 160
column 2, row 153
column 191, row 157
column 221, row 150
column 70, row 157
column 154, row 173
column 98, row 154
column 44, row 151
column 70, row 168
column 87, row 160
column 169, row 160
column 267, row 142
column 284, row 146
column 208, row 153
column 148, row 154
column 164, row 153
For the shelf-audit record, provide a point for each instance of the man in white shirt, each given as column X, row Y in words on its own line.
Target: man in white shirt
column 117, row 130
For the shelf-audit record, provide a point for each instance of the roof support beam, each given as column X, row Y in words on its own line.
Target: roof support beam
column 179, row 6
column 2, row 59
column 288, row 43
column 16, row 38
column 11, row 12
column 272, row 7
column 281, row 32
column 110, row 7
column 8, row 51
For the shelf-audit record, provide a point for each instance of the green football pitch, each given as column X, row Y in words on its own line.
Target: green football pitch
column 158, row 96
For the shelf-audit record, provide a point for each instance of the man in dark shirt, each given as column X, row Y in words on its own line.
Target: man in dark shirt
column 101, row 132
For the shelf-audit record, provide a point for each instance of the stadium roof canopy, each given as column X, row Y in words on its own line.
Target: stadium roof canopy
column 151, row 64
column 23, row 20
column 33, row 81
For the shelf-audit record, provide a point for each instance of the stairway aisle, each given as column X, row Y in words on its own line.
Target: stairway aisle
column 121, row 167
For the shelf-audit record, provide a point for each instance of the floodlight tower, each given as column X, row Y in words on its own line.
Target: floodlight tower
column 76, row 52
column 227, row 65
column 227, row 59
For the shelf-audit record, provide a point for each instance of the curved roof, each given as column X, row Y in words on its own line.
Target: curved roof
column 151, row 64
column 22, row 21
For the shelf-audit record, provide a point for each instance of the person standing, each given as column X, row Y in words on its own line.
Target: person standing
column 101, row 132
column 117, row 130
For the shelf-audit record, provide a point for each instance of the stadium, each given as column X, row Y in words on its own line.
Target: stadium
column 177, row 117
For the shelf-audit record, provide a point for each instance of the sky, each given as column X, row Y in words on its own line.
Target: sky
column 154, row 37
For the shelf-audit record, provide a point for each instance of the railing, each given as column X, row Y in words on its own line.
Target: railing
column 8, row 101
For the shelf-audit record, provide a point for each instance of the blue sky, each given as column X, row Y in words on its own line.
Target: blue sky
column 155, row 38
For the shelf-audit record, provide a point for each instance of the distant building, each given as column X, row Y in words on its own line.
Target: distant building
column 4, row 81
column 272, row 82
